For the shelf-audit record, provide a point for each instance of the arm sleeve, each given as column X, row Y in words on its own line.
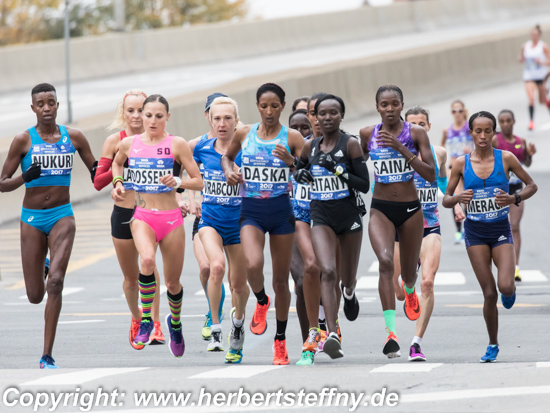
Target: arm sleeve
column 358, row 177
column 103, row 175
column 442, row 183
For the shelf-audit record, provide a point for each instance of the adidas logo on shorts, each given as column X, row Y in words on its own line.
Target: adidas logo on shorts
column 502, row 238
column 355, row 226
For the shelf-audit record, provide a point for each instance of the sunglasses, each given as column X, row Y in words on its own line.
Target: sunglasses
column 458, row 111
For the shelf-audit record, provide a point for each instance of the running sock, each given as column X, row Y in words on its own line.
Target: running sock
column 237, row 323
column 416, row 340
column 262, row 297
column 389, row 318
column 347, row 297
column 321, row 313
column 281, row 329
column 517, row 267
column 174, row 300
column 409, row 290
column 531, row 112
column 216, row 327
column 147, row 289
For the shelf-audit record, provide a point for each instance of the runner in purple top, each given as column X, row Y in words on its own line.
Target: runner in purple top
column 393, row 146
column 506, row 140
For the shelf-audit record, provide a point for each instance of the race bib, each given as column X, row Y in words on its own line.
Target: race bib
column 326, row 186
column 390, row 166
column 483, row 206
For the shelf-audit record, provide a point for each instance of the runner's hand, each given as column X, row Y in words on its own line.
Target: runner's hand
column 303, row 176
column 326, row 161
column 283, row 154
column 387, row 140
column 531, row 149
column 466, row 196
column 184, row 208
column 504, row 199
column 459, row 213
column 234, row 178
column 32, row 173
column 117, row 192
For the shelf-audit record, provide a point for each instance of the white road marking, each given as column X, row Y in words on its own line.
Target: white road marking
column 374, row 267
column 406, row 368
column 449, row 278
column 235, row 372
column 473, row 394
column 532, row 276
column 544, row 127
column 543, row 364
column 44, row 302
column 80, row 377
column 227, row 291
column 367, row 282
column 80, row 321
column 66, row 291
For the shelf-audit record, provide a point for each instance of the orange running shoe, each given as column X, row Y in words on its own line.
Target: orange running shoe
column 391, row 346
column 338, row 331
column 134, row 329
column 532, row 125
column 411, row 304
column 280, row 358
column 312, row 342
column 258, row 324
column 157, row 337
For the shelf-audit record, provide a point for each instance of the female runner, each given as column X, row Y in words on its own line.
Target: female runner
column 488, row 236
column 155, row 159
column 394, row 146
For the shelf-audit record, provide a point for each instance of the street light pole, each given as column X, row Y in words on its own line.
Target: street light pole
column 68, row 63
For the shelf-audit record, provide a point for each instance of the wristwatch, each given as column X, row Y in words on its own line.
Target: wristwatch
column 518, row 199
column 339, row 170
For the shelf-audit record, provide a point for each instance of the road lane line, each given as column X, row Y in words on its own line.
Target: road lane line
column 498, row 305
column 80, row 377
column 235, row 372
column 473, row 394
column 81, row 321
column 406, row 368
column 543, row 364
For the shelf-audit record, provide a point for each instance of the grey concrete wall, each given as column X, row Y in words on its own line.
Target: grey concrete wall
column 424, row 74
column 22, row 67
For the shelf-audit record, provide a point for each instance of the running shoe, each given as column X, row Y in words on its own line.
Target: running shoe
column 46, row 268
column 411, row 306
column 157, row 337
column 176, row 343
column 391, row 346
column 415, row 353
column 144, row 335
column 206, row 327
column 47, row 362
column 312, row 342
column 332, row 346
column 490, row 355
column 233, row 356
column 508, row 302
column 215, row 341
column 322, row 341
column 532, row 125
column 236, row 337
column 351, row 306
column 280, row 357
column 307, row 358
column 258, row 324
column 338, row 330
column 134, row 330
column 517, row 275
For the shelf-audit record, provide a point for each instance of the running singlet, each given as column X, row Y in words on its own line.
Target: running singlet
column 56, row 159
column 534, row 71
column 220, row 201
column 483, row 207
column 517, row 149
column 459, row 142
column 301, row 193
column 389, row 165
column 201, row 166
column 265, row 176
column 148, row 163
column 427, row 194
column 326, row 186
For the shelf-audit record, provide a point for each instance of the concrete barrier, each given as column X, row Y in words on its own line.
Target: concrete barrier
column 424, row 74
column 117, row 53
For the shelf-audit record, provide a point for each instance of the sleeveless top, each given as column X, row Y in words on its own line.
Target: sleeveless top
column 389, row 165
column 148, row 163
column 518, row 149
column 326, row 186
column 532, row 70
column 459, row 140
column 301, row 194
column 56, row 159
column 428, row 196
column 265, row 175
column 220, row 201
column 483, row 207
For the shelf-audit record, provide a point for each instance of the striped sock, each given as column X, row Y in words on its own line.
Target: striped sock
column 147, row 289
column 174, row 300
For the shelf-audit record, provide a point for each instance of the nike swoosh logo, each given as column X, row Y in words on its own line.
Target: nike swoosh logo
column 411, row 210
column 253, row 323
column 435, row 229
column 417, row 309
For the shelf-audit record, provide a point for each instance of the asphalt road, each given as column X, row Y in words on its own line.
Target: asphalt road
column 92, row 341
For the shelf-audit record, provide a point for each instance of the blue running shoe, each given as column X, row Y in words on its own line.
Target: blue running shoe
column 176, row 343
column 144, row 335
column 490, row 355
column 47, row 268
column 47, row 362
column 508, row 302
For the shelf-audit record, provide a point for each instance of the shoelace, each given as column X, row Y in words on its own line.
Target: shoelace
column 413, row 299
column 313, row 336
column 280, row 349
column 416, row 347
column 237, row 332
column 145, row 327
column 261, row 311
column 207, row 321
column 175, row 335
column 217, row 336
column 48, row 359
